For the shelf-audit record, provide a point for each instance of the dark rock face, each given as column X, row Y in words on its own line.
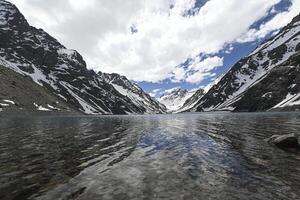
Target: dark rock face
column 268, row 94
column 267, row 79
column 290, row 142
column 190, row 102
column 134, row 92
column 34, row 53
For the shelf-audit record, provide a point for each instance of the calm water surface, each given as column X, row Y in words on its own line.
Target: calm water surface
column 189, row 156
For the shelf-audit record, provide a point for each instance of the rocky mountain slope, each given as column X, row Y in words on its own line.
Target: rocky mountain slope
column 18, row 92
column 134, row 93
column 175, row 99
column 62, row 72
column 191, row 101
column 268, row 79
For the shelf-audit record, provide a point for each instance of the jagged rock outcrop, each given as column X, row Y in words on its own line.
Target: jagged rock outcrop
column 134, row 93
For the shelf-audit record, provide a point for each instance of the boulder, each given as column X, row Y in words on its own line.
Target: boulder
column 286, row 142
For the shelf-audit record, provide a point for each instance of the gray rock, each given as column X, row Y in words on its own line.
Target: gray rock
column 286, row 142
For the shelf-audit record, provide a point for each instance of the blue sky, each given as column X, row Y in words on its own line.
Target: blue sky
column 161, row 44
column 239, row 51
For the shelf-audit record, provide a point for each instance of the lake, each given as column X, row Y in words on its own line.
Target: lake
column 184, row 156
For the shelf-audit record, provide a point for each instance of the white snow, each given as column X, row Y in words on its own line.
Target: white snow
column 36, row 76
column 121, row 90
column 67, row 52
column 295, row 103
column 52, row 107
column 174, row 102
column 293, row 85
column 9, row 101
column 266, row 95
column 40, row 108
column 87, row 108
column 280, row 39
column 141, row 101
column 185, row 108
column 215, row 82
column 290, row 100
column 246, row 81
column 64, row 98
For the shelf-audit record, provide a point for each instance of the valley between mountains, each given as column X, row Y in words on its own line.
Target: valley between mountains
column 38, row 74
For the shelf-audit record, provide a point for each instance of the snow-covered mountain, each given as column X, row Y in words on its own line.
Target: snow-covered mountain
column 175, row 99
column 268, row 79
column 191, row 101
column 63, row 72
column 134, row 93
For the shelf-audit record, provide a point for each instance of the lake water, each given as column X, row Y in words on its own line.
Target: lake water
column 188, row 156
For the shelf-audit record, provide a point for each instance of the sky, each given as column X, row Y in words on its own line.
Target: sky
column 161, row 44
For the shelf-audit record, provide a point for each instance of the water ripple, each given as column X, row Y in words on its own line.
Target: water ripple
column 192, row 156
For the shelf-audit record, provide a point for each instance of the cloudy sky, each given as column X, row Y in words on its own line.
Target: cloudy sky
column 161, row 44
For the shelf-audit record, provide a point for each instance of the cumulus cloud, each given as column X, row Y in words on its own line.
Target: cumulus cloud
column 277, row 22
column 148, row 40
column 168, row 91
column 203, row 68
column 156, row 92
column 159, row 91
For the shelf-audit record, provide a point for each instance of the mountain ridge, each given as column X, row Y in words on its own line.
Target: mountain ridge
column 34, row 53
column 175, row 99
column 236, row 90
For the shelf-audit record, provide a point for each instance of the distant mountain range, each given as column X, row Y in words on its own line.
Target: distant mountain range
column 62, row 80
column 266, row 80
column 175, row 99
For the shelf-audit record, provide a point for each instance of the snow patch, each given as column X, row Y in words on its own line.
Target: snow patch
column 9, row 101
column 176, row 99
column 40, row 108
column 87, row 108
column 52, row 107
column 290, row 100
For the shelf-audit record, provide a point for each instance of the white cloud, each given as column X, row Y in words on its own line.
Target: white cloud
column 203, row 68
column 207, row 64
column 165, row 38
column 277, row 22
column 168, row 91
column 156, row 92
column 229, row 49
column 152, row 94
column 179, row 74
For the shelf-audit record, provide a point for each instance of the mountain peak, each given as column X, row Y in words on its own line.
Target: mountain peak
column 174, row 92
column 38, row 56
column 11, row 17
column 265, row 80
column 175, row 98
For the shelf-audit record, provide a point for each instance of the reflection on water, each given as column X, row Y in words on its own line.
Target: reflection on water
column 189, row 156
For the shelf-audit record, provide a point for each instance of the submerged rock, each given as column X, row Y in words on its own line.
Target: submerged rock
column 286, row 142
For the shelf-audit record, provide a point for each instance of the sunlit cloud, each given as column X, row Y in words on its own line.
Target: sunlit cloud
column 149, row 40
